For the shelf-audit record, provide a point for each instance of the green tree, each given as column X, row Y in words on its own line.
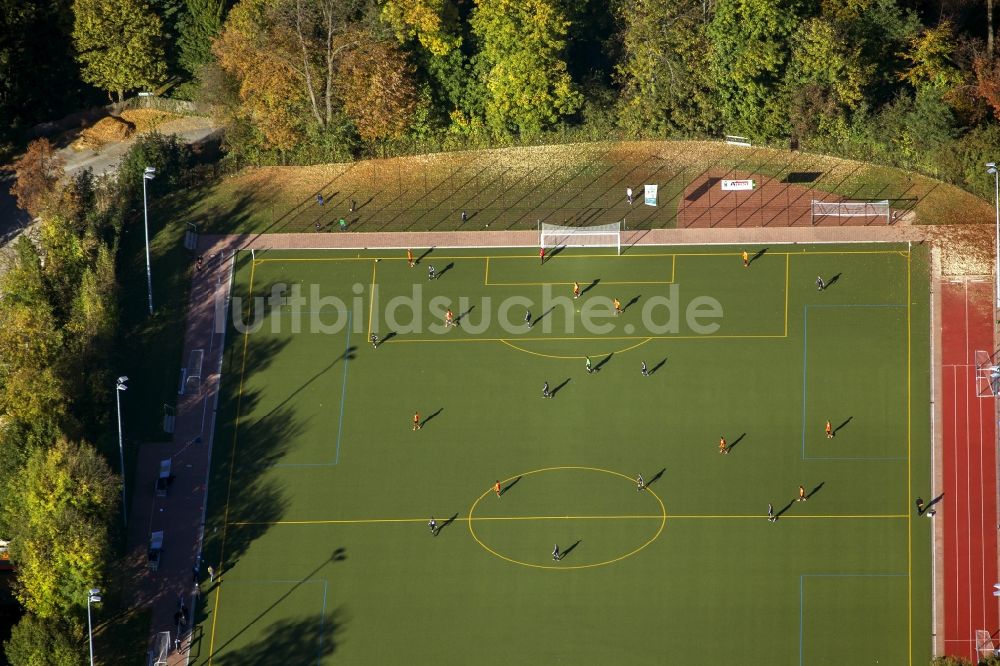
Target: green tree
column 520, row 64
column 198, row 26
column 65, row 498
column 119, row 44
column 44, row 642
column 930, row 58
column 664, row 65
column 750, row 51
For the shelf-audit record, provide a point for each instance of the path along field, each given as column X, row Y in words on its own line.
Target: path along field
column 321, row 491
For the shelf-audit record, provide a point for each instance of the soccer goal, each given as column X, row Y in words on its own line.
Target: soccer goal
column 191, row 374
column 874, row 209
column 600, row 235
column 161, row 649
column 985, row 647
column 987, row 374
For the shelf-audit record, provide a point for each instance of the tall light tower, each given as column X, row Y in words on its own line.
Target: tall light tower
column 148, row 174
column 119, row 387
column 991, row 168
column 93, row 597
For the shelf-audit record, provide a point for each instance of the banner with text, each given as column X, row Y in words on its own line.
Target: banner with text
column 738, row 185
column 650, row 195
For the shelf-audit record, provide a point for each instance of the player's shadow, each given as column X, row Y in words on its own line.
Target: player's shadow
column 451, row 265
column 831, row 281
column 448, row 522
column 503, row 491
column 590, row 286
column 556, row 250
column 421, row 257
column 933, row 502
column 784, row 509
column 389, row 336
column 635, row 299
column 434, row 415
column 565, row 553
column 760, row 253
column 656, row 477
column 559, row 388
column 815, row 490
column 339, row 555
column 542, row 316
column 462, row 316
column 658, row 366
column 736, row 441
column 837, row 429
column 603, row 362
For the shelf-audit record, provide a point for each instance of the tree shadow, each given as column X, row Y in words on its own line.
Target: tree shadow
column 563, row 554
column 559, row 388
column 656, row 477
column 603, row 362
column 309, row 637
column 735, row 442
column 503, row 491
column 590, row 286
column 760, row 253
column 432, row 416
column 837, row 429
column 815, row 490
column 451, row 265
column 421, row 257
column 658, row 366
column 635, row 299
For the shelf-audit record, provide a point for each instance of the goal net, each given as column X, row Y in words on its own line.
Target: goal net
column 987, row 374
column 872, row 209
column 985, row 647
column 600, row 235
column 161, row 649
column 191, row 374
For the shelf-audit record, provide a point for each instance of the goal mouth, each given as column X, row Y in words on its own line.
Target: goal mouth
column 987, row 374
column 873, row 209
column 598, row 235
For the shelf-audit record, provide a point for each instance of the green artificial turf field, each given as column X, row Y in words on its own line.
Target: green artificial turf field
column 321, row 491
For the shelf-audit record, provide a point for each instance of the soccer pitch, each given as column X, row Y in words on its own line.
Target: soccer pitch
column 321, row 490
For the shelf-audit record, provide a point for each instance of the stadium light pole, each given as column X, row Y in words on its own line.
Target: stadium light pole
column 148, row 174
column 93, row 596
column 119, row 387
column 991, row 168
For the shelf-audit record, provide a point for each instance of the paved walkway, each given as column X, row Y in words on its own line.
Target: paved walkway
column 181, row 515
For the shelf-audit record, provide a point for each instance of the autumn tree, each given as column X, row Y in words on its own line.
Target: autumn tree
column 66, row 497
column 45, row 642
column 376, row 82
column 987, row 74
column 38, row 172
column 663, row 68
column 521, row 64
column 119, row 44
column 930, row 58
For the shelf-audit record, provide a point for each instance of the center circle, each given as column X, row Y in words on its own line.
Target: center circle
column 559, row 494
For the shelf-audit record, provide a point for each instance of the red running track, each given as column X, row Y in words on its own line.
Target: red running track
column 968, row 510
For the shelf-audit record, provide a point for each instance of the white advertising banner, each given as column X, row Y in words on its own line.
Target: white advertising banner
column 738, row 185
column 650, row 195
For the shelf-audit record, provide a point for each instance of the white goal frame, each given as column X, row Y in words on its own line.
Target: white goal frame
column 600, row 235
column 851, row 209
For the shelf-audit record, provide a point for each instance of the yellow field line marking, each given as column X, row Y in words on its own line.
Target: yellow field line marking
column 232, row 466
column 576, row 356
column 371, row 303
column 540, row 284
column 673, row 268
column 377, row 521
column 788, row 261
column 595, row 338
column 909, row 472
column 486, row 280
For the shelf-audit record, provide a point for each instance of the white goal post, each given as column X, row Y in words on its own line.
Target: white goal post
column 599, row 235
column 852, row 209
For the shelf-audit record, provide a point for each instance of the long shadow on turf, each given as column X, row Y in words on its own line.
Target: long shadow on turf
column 837, row 429
column 451, row 265
column 421, row 257
column 603, row 362
column 590, row 286
column 569, row 550
column 658, row 366
column 831, row 281
column 736, row 441
column 933, row 502
column 784, row 509
column 542, row 316
column 656, row 477
column 503, row 491
column 453, row 518
column 635, row 299
column 300, row 641
column 760, row 253
column 558, row 388
column 465, row 314
column 816, row 490
column 428, row 419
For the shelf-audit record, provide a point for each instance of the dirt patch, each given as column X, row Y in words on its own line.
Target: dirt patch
column 110, row 129
column 147, row 120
